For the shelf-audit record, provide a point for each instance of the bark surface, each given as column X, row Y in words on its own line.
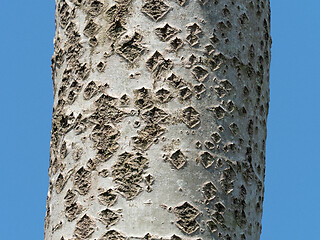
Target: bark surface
column 159, row 119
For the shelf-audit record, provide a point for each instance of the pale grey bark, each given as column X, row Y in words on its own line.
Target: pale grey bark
column 159, row 120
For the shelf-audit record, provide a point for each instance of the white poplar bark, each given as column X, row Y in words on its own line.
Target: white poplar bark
column 159, row 120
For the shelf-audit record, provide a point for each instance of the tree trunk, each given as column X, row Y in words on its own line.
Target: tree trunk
column 159, row 119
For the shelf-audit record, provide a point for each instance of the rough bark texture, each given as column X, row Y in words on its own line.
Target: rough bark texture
column 159, row 119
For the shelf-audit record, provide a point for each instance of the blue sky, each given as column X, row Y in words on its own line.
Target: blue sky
column 291, row 206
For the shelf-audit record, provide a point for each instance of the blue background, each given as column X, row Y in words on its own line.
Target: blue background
column 292, row 196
